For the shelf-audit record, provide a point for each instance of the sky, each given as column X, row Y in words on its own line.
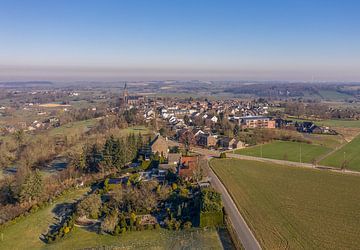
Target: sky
column 113, row 40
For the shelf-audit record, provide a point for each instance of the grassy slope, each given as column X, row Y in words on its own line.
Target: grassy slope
column 25, row 233
column 156, row 239
column 286, row 151
column 294, row 208
column 352, row 155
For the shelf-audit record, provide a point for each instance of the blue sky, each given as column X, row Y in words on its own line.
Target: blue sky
column 182, row 39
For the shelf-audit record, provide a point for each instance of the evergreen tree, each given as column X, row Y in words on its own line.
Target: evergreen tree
column 93, row 159
column 118, row 154
column 32, row 187
column 107, row 152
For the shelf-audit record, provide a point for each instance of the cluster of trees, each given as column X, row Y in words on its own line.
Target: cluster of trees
column 61, row 231
column 319, row 110
column 115, row 153
column 89, row 206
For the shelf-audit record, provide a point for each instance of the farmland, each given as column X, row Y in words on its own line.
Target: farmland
column 294, row 208
column 349, row 153
column 282, row 150
column 26, row 232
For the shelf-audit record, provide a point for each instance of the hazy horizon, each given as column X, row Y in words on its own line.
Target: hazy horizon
column 207, row 40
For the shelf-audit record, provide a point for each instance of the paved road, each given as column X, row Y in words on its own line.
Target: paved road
column 242, row 230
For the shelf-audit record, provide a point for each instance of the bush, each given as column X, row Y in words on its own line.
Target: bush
column 187, row 225
column 61, row 231
column 223, row 155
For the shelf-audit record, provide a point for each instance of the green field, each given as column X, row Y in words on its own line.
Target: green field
column 332, row 123
column 282, row 150
column 340, row 123
column 350, row 152
column 72, row 126
column 333, row 95
column 25, row 234
column 294, row 208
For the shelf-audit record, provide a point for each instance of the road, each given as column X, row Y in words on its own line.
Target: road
column 242, row 230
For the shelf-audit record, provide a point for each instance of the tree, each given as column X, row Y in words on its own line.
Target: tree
column 188, row 139
column 19, row 136
column 107, row 152
column 89, row 206
column 110, row 221
column 236, row 130
column 32, row 187
column 140, row 142
column 118, row 154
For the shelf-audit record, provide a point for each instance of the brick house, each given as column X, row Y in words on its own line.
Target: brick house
column 160, row 145
column 188, row 166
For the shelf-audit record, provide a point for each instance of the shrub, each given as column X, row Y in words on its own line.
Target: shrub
column 187, row 225
column 223, row 155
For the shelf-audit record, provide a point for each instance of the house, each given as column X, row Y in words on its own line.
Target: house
column 160, row 145
column 281, row 123
column 174, row 159
column 235, row 144
column 305, row 127
column 224, row 142
column 214, row 119
column 188, row 166
column 206, row 140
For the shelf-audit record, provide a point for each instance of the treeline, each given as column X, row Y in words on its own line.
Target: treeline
column 320, row 111
column 115, row 153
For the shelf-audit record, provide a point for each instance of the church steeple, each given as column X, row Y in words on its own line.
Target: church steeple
column 125, row 95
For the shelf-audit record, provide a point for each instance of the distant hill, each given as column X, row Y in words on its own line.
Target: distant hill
column 25, row 84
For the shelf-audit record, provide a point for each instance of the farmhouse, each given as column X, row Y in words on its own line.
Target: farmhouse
column 160, row 145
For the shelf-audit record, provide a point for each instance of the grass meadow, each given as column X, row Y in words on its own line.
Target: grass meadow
column 294, row 208
column 284, row 150
column 350, row 153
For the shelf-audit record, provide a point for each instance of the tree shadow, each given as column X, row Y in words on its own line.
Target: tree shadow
column 63, row 209
column 225, row 239
column 60, row 211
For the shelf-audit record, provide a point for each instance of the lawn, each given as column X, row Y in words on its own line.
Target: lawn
column 25, row 234
column 283, row 150
column 294, row 208
column 156, row 239
column 350, row 152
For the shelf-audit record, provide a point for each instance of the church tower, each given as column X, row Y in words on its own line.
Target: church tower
column 125, row 96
